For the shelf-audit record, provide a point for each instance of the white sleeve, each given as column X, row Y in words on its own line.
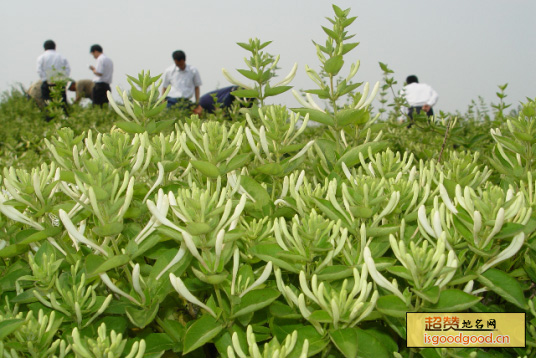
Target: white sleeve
column 197, row 79
column 433, row 97
column 165, row 81
column 40, row 70
column 99, row 66
column 67, row 67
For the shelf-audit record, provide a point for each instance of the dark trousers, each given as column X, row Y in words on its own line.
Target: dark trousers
column 182, row 103
column 46, row 89
column 99, row 93
column 418, row 111
column 45, row 93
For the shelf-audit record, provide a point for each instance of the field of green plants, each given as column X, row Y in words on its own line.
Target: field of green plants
column 135, row 231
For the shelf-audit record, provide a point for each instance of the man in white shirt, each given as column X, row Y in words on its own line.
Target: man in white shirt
column 51, row 68
column 419, row 96
column 184, row 81
column 103, row 72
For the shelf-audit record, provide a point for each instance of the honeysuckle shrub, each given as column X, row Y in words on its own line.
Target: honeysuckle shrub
column 259, row 237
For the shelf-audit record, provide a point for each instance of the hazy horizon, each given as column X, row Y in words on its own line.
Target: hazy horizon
column 462, row 49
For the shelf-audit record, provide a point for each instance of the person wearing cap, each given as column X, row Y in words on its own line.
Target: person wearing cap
column 51, row 68
column 103, row 71
column 184, row 80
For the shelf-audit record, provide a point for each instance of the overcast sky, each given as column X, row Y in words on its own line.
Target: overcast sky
column 462, row 48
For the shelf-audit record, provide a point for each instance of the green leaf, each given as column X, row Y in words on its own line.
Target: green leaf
column 9, row 326
column 256, row 190
column 320, row 316
column 274, row 169
column 196, row 228
column 246, row 93
column 212, row 279
column 338, row 11
column 392, row 305
column 206, row 168
column 96, row 264
column 200, row 332
column 282, row 310
column 162, row 125
column 245, row 46
column 352, row 116
column 41, row 235
column 239, row 161
column 130, row 127
column 273, row 91
column 255, row 300
column 453, row 300
column 265, row 77
column 431, row 295
column 349, row 47
column 315, row 115
column 505, row 286
column 317, row 342
column 385, row 68
column 351, row 157
column 8, row 279
column 361, row 212
column 330, row 33
column 158, row 343
column 13, row 250
column 329, row 210
column 272, row 252
column 400, row 271
column 334, row 272
column 174, row 329
column 142, row 317
column 369, row 346
column 249, row 74
column 321, row 93
column 381, row 335
column 334, row 65
column 110, row 229
column 345, row 340
column 155, row 110
column 509, row 230
column 382, row 230
column 138, row 95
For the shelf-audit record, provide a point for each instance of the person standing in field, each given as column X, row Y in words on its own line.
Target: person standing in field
column 184, row 80
column 51, row 68
column 420, row 97
column 103, row 71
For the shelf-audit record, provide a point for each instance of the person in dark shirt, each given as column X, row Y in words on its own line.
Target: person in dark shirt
column 221, row 98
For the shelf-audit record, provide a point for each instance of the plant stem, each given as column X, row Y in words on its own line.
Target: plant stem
column 444, row 142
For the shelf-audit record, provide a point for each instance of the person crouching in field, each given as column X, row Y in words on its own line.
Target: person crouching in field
column 35, row 93
column 221, row 98
column 83, row 89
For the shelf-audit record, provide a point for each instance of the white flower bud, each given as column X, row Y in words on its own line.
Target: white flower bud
column 179, row 286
